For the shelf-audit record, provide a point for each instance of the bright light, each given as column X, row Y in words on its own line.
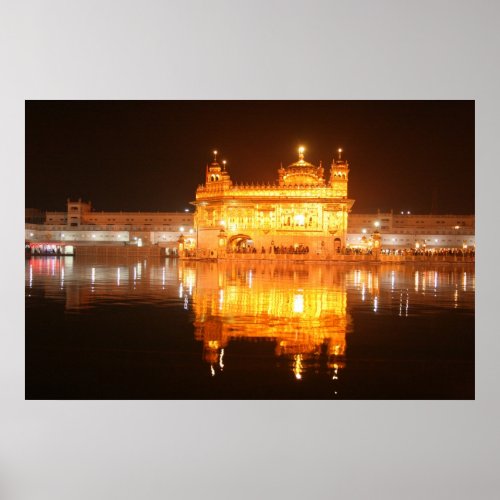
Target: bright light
column 408, row 212
column 299, row 219
column 186, row 210
column 298, row 303
column 302, row 149
column 417, row 245
column 222, row 222
column 436, row 241
column 376, row 223
column 402, row 213
column 181, row 229
column 93, row 236
column 363, row 231
column 31, row 234
column 457, row 227
column 297, row 366
column 340, row 150
column 190, row 231
column 215, row 152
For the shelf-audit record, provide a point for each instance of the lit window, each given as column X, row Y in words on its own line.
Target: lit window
column 299, row 219
column 298, row 303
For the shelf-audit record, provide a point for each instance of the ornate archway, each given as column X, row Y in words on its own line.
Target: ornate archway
column 240, row 242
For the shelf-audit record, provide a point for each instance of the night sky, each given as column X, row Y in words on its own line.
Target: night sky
column 147, row 155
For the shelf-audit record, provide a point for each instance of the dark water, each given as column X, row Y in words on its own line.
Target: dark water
column 165, row 329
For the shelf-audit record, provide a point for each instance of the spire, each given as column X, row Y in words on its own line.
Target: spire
column 301, row 152
column 224, row 165
column 340, row 154
column 215, row 155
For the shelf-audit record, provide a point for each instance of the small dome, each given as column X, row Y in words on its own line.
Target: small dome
column 302, row 164
column 301, row 173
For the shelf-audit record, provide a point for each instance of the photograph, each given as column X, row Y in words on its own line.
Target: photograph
column 250, row 249
column 250, row 237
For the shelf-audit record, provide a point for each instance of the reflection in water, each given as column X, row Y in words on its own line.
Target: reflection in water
column 302, row 312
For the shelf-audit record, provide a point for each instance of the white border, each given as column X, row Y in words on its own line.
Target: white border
column 238, row 49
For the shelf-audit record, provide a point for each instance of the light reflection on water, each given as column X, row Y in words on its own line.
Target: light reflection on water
column 305, row 311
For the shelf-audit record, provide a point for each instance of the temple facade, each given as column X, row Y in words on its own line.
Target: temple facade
column 301, row 212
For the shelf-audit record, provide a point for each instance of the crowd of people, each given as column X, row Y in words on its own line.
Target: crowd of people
column 304, row 249
column 300, row 249
column 443, row 252
column 50, row 250
column 284, row 250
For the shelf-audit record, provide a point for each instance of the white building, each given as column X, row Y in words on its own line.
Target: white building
column 405, row 230
column 80, row 225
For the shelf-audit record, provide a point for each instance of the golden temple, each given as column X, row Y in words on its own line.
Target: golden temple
column 300, row 213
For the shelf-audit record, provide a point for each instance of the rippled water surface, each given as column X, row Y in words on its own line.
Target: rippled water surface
column 111, row 328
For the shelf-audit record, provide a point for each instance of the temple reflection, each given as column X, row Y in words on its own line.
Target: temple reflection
column 282, row 326
column 302, row 310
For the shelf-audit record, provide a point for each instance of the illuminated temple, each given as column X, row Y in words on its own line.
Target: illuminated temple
column 301, row 212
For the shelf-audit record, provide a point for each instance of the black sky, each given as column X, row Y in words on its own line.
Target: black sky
column 147, row 155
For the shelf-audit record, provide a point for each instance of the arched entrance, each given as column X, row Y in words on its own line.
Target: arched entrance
column 337, row 245
column 240, row 243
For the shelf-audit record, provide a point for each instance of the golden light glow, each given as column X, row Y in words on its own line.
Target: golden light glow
column 297, row 366
column 299, row 219
column 303, row 208
column 298, row 303
column 297, row 316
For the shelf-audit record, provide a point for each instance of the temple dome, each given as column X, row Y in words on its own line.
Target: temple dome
column 301, row 172
column 301, row 164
